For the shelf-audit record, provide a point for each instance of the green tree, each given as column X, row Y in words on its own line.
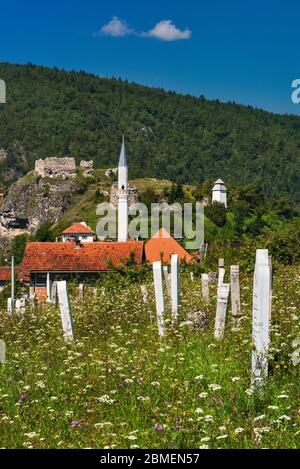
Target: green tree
column 216, row 212
column 44, row 233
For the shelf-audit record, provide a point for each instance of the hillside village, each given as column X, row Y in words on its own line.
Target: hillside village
column 78, row 253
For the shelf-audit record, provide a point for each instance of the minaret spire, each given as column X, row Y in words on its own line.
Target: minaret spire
column 123, row 160
column 123, row 168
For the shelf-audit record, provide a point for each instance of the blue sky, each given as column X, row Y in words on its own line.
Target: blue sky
column 243, row 51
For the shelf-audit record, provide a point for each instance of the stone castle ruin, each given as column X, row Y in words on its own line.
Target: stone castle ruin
column 62, row 167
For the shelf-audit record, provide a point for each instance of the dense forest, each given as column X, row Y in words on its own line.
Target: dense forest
column 50, row 112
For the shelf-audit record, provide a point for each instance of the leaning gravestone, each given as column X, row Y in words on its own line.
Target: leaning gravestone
column 205, row 286
column 175, row 287
column 159, row 297
column 235, row 294
column 221, row 313
column 2, row 351
column 260, row 317
column 65, row 310
column 167, row 279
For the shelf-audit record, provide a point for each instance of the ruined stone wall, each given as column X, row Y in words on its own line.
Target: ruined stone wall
column 87, row 168
column 56, row 167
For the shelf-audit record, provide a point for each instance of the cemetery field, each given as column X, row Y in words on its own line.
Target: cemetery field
column 118, row 385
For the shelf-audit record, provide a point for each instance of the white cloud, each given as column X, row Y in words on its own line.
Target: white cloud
column 167, row 31
column 116, row 27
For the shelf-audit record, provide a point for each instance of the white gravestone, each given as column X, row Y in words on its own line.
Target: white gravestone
column 167, row 279
column 54, row 292
column 2, row 351
column 20, row 305
column 144, row 293
column 10, row 307
column 159, row 297
column 65, row 310
column 271, row 286
column 48, row 284
column 175, row 286
column 81, row 290
column 221, row 272
column 260, row 317
column 205, row 286
column 221, row 313
column 235, row 293
column 192, row 276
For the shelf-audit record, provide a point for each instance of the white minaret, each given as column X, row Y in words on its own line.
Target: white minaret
column 219, row 192
column 122, row 195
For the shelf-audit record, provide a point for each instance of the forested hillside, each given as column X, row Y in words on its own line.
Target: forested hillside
column 50, row 112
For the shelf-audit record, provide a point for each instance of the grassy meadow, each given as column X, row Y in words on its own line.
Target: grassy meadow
column 119, row 386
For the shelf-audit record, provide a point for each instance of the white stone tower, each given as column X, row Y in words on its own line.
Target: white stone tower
column 122, row 194
column 219, row 192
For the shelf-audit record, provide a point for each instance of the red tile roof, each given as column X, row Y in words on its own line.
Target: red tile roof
column 161, row 247
column 5, row 273
column 78, row 228
column 91, row 257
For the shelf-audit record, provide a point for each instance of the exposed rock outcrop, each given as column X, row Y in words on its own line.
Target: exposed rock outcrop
column 110, row 172
column 31, row 201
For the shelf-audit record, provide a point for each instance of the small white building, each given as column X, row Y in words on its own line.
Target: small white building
column 79, row 232
column 219, row 192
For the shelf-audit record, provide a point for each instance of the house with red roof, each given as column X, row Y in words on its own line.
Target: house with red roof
column 5, row 276
column 79, row 232
column 83, row 261
column 161, row 247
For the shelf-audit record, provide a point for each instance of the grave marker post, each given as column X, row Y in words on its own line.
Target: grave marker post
column 10, row 307
column 175, row 286
column 235, row 294
column 65, row 310
column 205, row 286
column 222, row 304
column 167, row 279
column 54, row 292
column 48, row 284
column 260, row 317
column 159, row 297
column 2, row 352
column 144, row 293
column 271, row 286
column 221, row 272
column 81, row 290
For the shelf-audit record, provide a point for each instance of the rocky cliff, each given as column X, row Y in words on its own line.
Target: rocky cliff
column 33, row 200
